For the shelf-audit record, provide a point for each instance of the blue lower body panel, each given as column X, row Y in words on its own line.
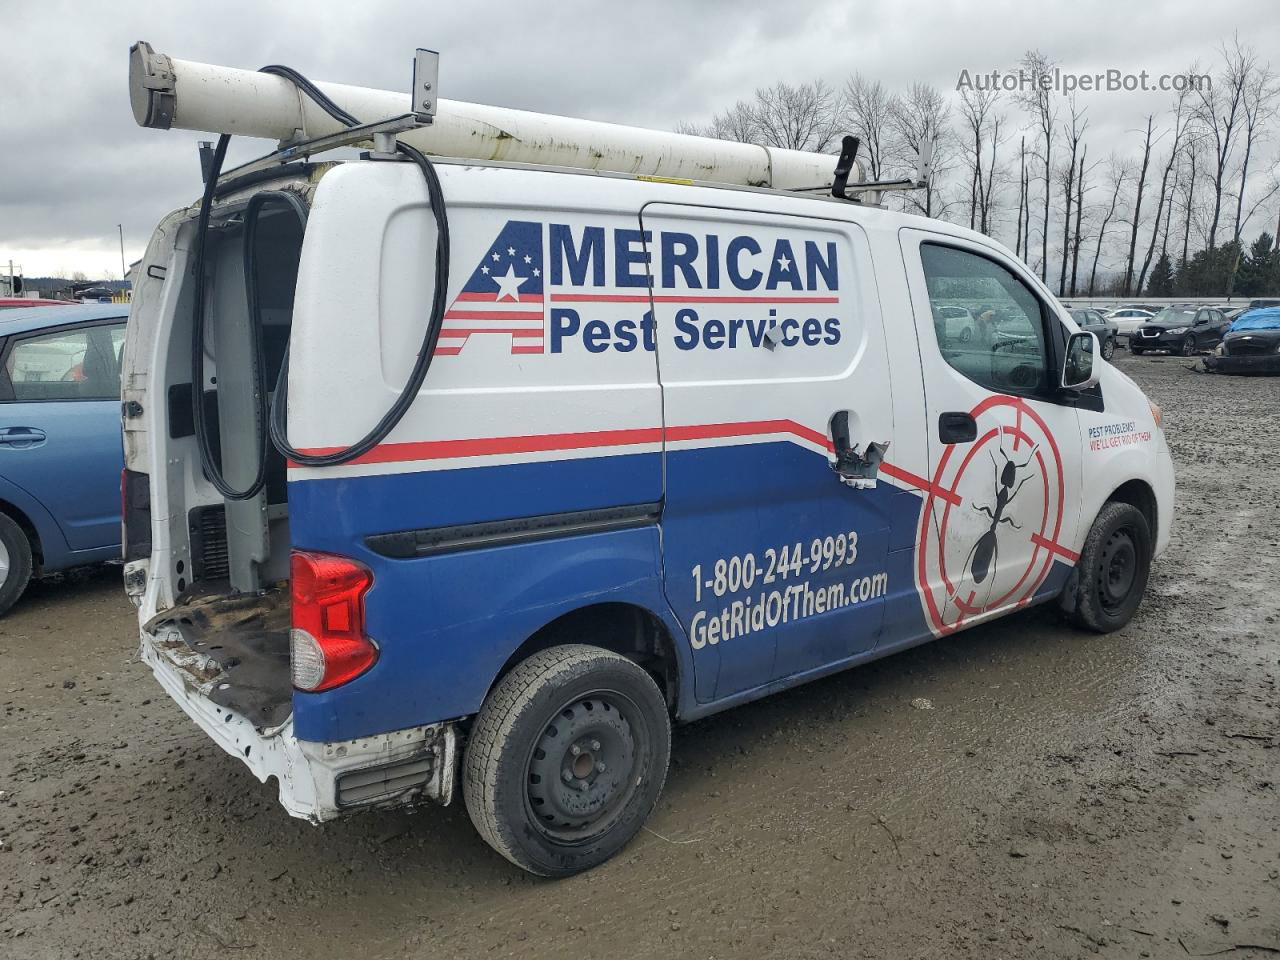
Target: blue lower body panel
column 445, row 624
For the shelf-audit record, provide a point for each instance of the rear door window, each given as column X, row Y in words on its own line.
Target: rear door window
column 82, row 363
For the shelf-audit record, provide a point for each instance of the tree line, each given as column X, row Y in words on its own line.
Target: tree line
column 1166, row 213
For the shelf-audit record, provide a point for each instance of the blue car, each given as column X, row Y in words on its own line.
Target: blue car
column 60, row 449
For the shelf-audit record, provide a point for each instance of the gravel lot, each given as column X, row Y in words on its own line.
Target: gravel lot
column 1067, row 794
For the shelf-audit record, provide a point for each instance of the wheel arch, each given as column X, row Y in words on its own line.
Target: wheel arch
column 1138, row 493
column 18, row 516
column 622, row 627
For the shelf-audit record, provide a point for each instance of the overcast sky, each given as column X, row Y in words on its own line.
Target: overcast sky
column 73, row 163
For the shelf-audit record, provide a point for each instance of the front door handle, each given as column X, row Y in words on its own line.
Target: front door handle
column 957, row 427
column 21, row 438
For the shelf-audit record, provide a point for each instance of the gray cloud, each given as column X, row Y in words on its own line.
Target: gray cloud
column 73, row 164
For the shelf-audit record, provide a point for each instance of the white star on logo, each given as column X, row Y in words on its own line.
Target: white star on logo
column 528, row 259
column 495, row 255
column 537, row 272
column 485, row 268
column 511, row 251
column 509, row 284
column 784, row 263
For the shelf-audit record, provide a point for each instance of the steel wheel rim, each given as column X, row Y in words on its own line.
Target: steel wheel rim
column 1117, row 569
column 4, row 563
column 569, row 800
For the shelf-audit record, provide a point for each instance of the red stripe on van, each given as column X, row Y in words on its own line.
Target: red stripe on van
column 491, row 446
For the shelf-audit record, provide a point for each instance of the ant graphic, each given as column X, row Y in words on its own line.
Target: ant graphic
column 986, row 551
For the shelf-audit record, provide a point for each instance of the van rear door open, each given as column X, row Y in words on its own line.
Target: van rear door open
column 767, row 327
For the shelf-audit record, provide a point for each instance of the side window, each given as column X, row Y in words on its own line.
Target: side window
column 989, row 324
column 80, row 364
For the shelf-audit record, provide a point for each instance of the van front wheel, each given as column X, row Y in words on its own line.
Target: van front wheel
column 1112, row 573
column 566, row 759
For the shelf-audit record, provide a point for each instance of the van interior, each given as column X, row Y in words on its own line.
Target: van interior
column 229, row 558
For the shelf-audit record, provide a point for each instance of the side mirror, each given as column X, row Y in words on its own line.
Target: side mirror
column 1078, row 370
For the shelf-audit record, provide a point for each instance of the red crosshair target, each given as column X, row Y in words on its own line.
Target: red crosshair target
column 946, row 549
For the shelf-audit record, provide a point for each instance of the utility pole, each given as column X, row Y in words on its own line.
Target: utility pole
column 120, row 227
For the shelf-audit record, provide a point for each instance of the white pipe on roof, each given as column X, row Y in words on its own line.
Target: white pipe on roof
column 166, row 93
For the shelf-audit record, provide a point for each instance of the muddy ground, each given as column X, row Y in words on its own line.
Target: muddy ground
column 1067, row 795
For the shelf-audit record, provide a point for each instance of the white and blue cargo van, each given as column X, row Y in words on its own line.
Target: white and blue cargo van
column 656, row 448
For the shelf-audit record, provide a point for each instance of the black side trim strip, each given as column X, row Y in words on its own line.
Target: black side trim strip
column 500, row 533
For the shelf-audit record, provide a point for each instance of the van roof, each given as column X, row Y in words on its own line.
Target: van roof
column 40, row 318
column 496, row 183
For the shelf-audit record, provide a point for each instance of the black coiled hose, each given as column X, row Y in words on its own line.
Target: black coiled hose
column 272, row 423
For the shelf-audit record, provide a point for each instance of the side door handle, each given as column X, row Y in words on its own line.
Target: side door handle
column 957, row 427
column 21, row 438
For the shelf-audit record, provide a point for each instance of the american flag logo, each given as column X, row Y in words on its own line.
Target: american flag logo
column 503, row 296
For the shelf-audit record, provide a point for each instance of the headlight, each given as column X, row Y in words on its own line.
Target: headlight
column 1176, row 330
column 1218, row 351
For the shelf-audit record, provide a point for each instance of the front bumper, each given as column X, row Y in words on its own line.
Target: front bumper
column 320, row 781
column 1261, row 364
column 1164, row 341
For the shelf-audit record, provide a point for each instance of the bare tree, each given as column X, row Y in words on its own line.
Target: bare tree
column 995, row 173
column 1219, row 113
column 977, row 108
column 1181, row 119
column 1039, row 102
column 1194, row 146
column 921, row 116
column 737, row 123
column 1135, row 220
column 1258, row 105
column 801, row 117
column 868, row 114
column 1079, row 237
column 1074, row 133
column 1118, row 174
column 1022, row 195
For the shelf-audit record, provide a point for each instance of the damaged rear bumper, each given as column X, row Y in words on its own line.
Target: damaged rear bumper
column 1262, row 364
column 317, row 781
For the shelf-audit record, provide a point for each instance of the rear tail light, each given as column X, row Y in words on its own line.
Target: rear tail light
column 327, row 644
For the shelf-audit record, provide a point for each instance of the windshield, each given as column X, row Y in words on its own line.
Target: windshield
column 1171, row 316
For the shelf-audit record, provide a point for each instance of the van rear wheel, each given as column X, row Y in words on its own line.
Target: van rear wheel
column 566, row 759
column 15, row 562
column 1112, row 573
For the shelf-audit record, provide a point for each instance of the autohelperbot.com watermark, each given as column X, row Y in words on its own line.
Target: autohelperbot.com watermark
column 1056, row 80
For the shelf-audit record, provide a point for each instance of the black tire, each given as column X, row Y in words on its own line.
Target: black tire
column 566, row 699
column 1189, row 346
column 1108, row 348
column 15, row 562
column 1112, row 573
